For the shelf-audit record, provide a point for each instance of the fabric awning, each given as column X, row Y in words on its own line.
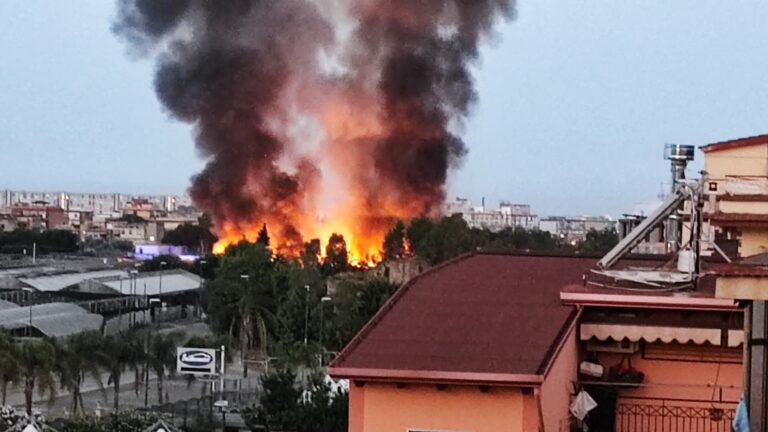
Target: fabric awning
column 634, row 333
column 735, row 338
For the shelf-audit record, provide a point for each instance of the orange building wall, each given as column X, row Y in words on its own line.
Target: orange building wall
column 382, row 407
column 667, row 379
column 558, row 386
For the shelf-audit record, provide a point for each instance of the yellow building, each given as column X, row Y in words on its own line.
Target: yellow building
column 737, row 184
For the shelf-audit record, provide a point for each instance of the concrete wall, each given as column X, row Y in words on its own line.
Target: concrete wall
column 558, row 386
column 743, row 161
column 383, row 407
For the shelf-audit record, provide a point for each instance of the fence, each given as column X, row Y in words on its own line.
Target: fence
column 188, row 412
column 674, row 416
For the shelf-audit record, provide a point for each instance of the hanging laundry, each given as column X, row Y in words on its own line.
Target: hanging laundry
column 741, row 420
column 582, row 404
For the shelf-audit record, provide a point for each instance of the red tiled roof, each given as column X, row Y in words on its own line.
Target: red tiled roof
column 720, row 217
column 490, row 318
column 736, row 143
column 741, row 269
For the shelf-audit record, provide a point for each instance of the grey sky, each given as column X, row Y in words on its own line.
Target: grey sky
column 577, row 98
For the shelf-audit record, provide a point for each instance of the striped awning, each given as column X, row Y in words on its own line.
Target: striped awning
column 635, row 333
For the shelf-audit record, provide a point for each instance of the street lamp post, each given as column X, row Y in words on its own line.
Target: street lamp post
column 162, row 264
column 245, row 277
column 322, row 328
column 306, row 314
column 134, row 289
column 200, row 290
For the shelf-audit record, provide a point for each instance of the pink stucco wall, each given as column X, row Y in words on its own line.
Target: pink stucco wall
column 558, row 386
column 384, row 407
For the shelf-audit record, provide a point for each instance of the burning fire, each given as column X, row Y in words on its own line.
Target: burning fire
column 363, row 250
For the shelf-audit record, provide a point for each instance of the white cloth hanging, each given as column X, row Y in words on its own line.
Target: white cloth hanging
column 582, row 404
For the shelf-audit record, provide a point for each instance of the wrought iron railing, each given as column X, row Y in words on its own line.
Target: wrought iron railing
column 674, row 416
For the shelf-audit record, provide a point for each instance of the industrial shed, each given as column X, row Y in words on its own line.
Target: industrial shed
column 55, row 320
column 156, row 283
column 59, row 282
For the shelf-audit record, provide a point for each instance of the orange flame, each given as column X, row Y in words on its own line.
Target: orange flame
column 362, row 215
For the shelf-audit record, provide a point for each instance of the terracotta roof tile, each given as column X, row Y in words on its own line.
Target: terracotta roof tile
column 736, row 143
column 482, row 313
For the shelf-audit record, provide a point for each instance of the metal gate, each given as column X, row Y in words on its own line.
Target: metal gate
column 667, row 417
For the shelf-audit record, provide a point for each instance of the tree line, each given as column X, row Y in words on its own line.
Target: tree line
column 46, row 366
column 442, row 239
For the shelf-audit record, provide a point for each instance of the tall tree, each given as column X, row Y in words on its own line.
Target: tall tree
column 394, row 242
column 36, row 359
column 162, row 358
column 77, row 359
column 263, row 238
column 336, row 255
column 418, row 233
column 9, row 366
column 118, row 353
column 599, row 242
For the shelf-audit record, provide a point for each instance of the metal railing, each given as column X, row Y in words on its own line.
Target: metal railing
column 674, row 416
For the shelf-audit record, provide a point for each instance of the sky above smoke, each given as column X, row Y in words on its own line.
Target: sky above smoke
column 575, row 101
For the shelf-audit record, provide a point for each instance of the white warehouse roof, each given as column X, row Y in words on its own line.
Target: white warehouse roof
column 173, row 281
column 51, row 319
column 61, row 281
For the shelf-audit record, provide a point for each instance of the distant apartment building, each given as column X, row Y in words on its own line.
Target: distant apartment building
column 140, row 219
column 100, row 204
column 508, row 215
column 574, row 229
column 39, row 216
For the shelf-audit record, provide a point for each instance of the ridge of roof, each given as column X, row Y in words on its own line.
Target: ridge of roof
column 735, row 143
column 366, row 329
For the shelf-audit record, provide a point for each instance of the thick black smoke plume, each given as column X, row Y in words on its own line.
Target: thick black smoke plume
column 245, row 72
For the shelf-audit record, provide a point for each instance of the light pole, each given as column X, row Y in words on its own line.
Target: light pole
column 162, row 264
column 134, row 289
column 322, row 329
column 200, row 290
column 306, row 314
column 245, row 277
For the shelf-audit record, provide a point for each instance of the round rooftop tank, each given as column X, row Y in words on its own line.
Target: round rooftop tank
column 679, row 152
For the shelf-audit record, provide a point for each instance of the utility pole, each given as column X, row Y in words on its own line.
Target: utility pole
column 322, row 328
column 306, row 314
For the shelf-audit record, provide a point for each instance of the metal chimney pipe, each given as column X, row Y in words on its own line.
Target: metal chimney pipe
column 679, row 155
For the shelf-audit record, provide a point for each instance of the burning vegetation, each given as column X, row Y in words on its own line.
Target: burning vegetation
column 316, row 117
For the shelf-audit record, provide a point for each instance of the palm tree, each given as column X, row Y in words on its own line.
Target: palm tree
column 9, row 367
column 77, row 359
column 118, row 353
column 162, row 358
column 36, row 359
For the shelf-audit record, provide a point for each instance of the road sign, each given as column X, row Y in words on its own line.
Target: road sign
column 196, row 361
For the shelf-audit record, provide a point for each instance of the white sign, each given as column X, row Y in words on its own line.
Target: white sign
column 196, row 361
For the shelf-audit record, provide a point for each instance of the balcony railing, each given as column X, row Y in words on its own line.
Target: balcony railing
column 674, row 416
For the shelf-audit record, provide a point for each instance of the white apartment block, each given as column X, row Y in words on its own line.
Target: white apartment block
column 103, row 205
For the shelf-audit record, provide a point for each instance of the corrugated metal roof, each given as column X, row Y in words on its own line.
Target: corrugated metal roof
column 4, row 304
column 52, row 319
column 173, row 281
column 61, row 281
